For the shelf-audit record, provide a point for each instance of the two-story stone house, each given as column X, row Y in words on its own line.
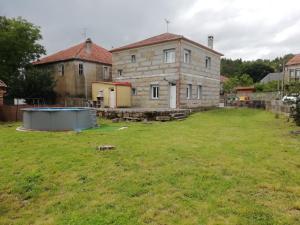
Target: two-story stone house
column 292, row 69
column 169, row 71
column 77, row 67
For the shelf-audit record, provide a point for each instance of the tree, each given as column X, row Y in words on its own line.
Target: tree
column 233, row 82
column 268, row 87
column 257, row 70
column 18, row 48
column 37, row 84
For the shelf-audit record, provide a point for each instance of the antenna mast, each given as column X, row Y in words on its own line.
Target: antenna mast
column 167, row 23
column 84, row 32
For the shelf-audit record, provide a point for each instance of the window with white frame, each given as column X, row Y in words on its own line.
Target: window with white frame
column 187, row 55
column 133, row 91
column 199, row 92
column 169, row 56
column 80, row 69
column 120, row 73
column 207, row 62
column 155, row 91
column 133, row 59
column 189, row 91
column 61, row 69
column 105, row 73
column 292, row 74
column 297, row 73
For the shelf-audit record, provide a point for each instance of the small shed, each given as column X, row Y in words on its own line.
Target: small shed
column 111, row 94
column 244, row 91
column 2, row 91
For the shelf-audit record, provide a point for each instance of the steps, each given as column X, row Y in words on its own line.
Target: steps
column 178, row 116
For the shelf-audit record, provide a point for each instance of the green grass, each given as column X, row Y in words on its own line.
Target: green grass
column 218, row 167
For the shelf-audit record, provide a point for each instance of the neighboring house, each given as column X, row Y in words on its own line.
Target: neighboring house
column 77, row 67
column 2, row 91
column 272, row 77
column 292, row 69
column 169, row 71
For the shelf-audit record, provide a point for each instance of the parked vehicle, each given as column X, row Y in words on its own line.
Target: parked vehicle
column 289, row 99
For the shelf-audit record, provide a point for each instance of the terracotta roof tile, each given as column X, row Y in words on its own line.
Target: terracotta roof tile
column 2, row 84
column 160, row 39
column 95, row 54
column 293, row 61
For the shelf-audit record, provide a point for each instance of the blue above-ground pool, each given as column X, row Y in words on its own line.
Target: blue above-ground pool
column 59, row 119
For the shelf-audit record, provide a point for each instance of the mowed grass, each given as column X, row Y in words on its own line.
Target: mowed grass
column 235, row 166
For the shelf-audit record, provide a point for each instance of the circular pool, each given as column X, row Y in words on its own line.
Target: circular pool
column 59, row 119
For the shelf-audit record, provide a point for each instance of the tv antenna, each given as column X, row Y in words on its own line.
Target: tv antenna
column 167, row 23
column 84, row 32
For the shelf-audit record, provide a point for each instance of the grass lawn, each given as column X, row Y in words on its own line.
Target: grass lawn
column 236, row 166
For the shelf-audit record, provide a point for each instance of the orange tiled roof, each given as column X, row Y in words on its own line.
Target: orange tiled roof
column 2, row 84
column 160, row 39
column 293, row 61
column 95, row 54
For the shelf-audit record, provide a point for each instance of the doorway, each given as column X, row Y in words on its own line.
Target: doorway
column 112, row 98
column 173, row 96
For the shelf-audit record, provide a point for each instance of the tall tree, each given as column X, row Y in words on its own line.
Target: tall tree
column 257, row 70
column 18, row 48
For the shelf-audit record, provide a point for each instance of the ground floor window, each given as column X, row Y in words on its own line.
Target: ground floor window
column 189, row 91
column 199, row 92
column 154, row 91
column 134, row 91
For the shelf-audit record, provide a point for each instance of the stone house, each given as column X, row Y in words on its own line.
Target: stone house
column 76, row 68
column 2, row 91
column 169, row 71
column 292, row 69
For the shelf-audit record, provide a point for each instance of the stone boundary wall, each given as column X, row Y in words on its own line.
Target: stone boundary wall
column 278, row 107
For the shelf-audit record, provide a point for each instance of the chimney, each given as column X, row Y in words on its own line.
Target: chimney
column 210, row 41
column 88, row 45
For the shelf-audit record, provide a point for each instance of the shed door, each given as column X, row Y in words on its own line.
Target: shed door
column 112, row 98
column 173, row 96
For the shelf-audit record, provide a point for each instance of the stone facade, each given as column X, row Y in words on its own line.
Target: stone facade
column 149, row 68
column 71, row 83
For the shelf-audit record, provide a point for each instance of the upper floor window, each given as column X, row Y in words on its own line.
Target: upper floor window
column 120, row 73
column 207, row 62
column 155, row 91
column 80, row 69
column 189, row 91
column 133, row 59
column 169, row 56
column 61, row 69
column 187, row 56
column 105, row 73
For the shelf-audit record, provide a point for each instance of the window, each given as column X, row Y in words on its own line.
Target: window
column 292, row 74
column 189, row 91
column 133, row 59
column 80, row 69
column 134, row 91
column 297, row 75
column 120, row 72
column 169, row 56
column 105, row 73
column 207, row 62
column 187, row 56
column 61, row 69
column 199, row 92
column 154, row 91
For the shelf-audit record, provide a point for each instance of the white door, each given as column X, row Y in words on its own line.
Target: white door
column 173, row 96
column 112, row 98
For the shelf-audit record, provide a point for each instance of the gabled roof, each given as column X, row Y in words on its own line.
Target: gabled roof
column 166, row 37
column 272, row 77
column 2, row 84
column 94, row 53
column 294, row 61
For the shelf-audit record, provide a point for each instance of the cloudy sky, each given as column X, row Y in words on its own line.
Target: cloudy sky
column 242, row 29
